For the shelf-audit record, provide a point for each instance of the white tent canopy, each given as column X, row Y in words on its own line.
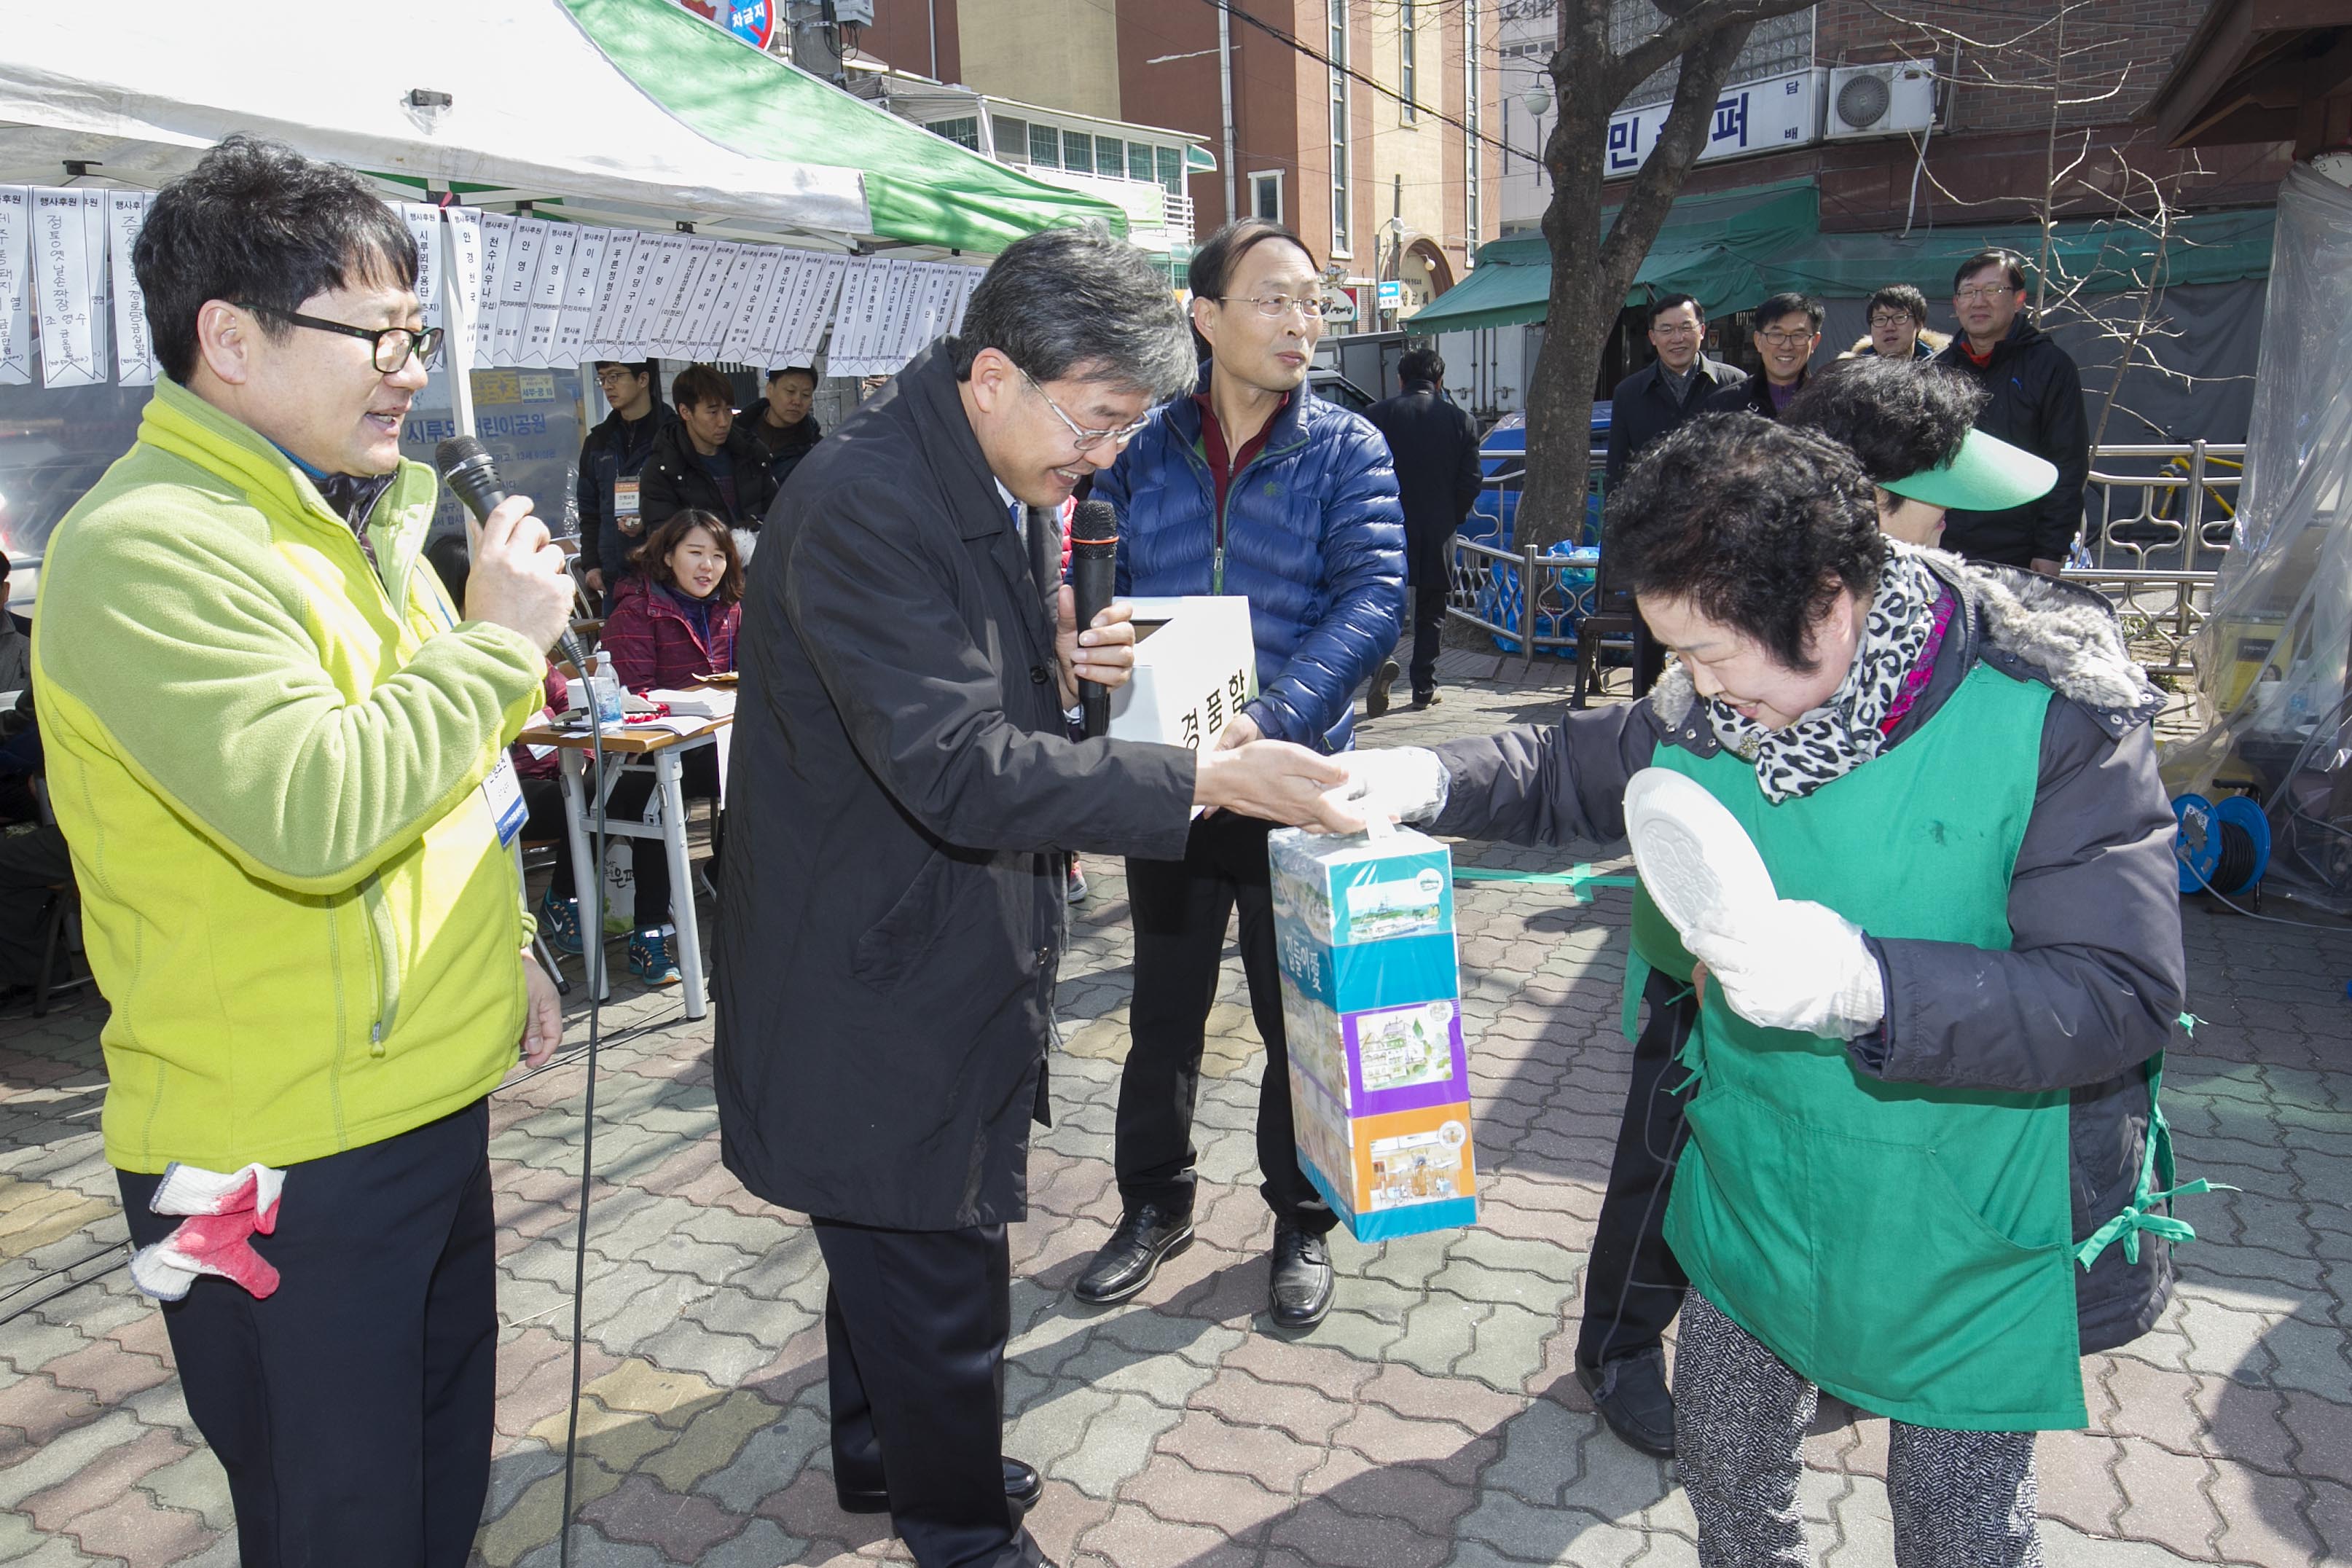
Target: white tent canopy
column 142, row 87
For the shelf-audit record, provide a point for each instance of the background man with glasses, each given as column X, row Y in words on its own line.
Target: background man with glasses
column 279, row 753
column 1898, row 323
column 1252, row 486
column 892, row 905
column 611, row 461
column 2035, row 402
column 1651, row 403
column 1788, row 329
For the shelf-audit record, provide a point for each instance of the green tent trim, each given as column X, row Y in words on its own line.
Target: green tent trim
column 1733, row 249
column 920, row 187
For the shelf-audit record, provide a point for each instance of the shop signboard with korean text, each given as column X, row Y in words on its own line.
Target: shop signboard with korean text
column 1764, row 116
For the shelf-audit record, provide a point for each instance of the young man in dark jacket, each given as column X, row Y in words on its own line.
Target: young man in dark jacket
column 1252, row 486
column 1434, row 445
column 611, row 461
column 892, row 905
column 705, row 461
column 2036, row 403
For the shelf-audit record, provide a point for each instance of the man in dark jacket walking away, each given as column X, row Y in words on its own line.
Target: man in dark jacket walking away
column 1434, row 445
column 892, row 901
column 1649, row 404
column 2036, row 403
column 705, row 461
column 612, row 463
column 1254, row 487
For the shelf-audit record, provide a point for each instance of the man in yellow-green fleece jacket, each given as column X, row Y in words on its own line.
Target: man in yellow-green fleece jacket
column 272, row 744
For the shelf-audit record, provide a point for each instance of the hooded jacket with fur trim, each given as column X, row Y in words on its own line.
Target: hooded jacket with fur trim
column 2092, row 985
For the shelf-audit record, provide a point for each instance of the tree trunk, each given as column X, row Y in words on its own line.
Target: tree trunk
column 1589, row 275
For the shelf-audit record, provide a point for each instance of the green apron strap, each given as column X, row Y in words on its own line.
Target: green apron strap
column 2156, row 1167
column 1637, row 980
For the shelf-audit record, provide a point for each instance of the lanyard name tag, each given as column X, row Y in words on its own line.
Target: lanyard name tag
column 625, row 498
column 502, row 793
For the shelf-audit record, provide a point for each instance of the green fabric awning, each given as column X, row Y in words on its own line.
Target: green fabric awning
column 1701, row 251
column 1732, row 250
column 920, row 187
column 2203, row 248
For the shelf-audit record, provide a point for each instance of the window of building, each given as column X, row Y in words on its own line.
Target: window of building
column 1079, row 151
column 1012, row 138
column 1408, row 73
column 1110, row 157
column 1046, row 146
column 963, row 133
column 1172, row 169
column 1338, row 54
column 1265, row 196
column 1139, row 161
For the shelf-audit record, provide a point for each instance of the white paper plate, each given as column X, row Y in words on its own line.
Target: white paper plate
column 1692, row 852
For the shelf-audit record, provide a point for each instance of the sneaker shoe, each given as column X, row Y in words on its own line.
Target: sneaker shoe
column 559, row 922
column 1376, row 696
column 1145, row 1238
column 1630, row 1394
column 649, row 957
column 1301, row 1285
column 1077, row 881
column 1425, row 697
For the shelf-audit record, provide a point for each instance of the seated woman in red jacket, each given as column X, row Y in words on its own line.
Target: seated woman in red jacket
column 671, row 624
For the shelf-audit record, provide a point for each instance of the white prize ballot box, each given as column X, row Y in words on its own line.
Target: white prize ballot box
column 1195, row 668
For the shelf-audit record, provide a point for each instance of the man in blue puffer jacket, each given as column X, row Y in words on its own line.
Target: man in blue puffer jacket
column 1252, row 487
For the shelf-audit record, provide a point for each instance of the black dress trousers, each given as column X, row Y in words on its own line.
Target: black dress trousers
column 351, row 1406
column 915, row 1325
column 1179, row 910
column 1632, row 1285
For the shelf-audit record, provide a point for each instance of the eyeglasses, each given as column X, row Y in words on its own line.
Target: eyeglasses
column 1274, row 307
column 1985, row 293
column 1780, row 339
column 393, row 345
column 1087, row 440
column 1899, row 318
column 611, row 374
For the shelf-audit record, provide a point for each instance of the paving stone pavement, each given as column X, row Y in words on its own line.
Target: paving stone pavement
column 1432, row 1419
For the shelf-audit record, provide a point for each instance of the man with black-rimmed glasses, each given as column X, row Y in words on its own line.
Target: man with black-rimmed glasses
column 1251, row 486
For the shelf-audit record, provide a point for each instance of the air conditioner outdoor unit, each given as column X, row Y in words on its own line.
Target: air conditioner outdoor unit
column 1887, row 100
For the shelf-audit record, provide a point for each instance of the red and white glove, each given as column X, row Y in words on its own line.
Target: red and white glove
column 225, row 1213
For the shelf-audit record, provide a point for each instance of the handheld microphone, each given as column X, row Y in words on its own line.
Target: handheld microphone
column 1093, row 570
column 472, row 476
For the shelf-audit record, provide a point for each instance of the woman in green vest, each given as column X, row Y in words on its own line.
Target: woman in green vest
column 1921, row 1088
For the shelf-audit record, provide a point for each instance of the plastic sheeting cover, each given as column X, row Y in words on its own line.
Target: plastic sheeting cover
column 2273, row 656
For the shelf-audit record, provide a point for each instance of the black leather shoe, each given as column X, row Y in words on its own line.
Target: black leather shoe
column 1630, row 1394
column 1302, row 1283
column 1376, row 696
column 1022, row 1486
column 1145, row 1238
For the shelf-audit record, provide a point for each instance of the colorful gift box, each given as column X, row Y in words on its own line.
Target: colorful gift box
column 1372, row 1015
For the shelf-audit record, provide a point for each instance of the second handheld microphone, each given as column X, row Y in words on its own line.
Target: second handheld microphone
column 1094, row 574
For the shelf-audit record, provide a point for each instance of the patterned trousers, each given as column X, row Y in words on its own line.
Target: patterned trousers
column 1960, row 1500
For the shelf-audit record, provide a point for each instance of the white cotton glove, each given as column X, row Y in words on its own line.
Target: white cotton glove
column 1792, row 964
column 1402, row 783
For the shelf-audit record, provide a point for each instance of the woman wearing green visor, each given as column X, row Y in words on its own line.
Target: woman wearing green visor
column 1924, row 1170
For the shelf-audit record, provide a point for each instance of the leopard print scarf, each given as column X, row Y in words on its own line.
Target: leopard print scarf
column 1845, row 732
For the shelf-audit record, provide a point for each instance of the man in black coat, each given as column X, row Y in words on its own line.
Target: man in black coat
column 892, row 902
column 2036, row 403
column 1788, row 332
column 1660, row 396
column 1434, row 445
